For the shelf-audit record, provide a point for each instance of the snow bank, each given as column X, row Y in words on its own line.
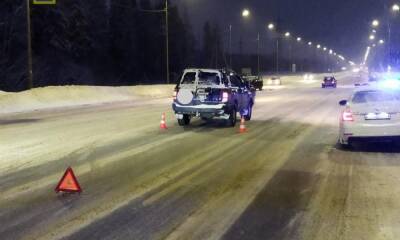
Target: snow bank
column 66, row 96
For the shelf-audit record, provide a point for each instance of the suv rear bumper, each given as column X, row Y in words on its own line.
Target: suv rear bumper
column 207, row 110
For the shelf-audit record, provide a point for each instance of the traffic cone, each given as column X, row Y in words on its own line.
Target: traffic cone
column 243, row 128
column 163, row 125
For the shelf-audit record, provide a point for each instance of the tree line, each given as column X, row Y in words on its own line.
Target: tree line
column 106, row 42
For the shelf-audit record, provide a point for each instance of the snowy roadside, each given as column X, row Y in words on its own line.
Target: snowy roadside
column 73, row 96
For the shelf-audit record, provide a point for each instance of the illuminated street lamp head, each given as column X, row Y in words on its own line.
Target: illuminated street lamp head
column 330, row 51
column 324, row 48
column 287, row 34
column 396, row 7
column 298, row 39
column 309, row 43
column 318, row 46
column 381, row 41
column 375, row 23
column 245, row 13
column 371, row 37
column 271, row 26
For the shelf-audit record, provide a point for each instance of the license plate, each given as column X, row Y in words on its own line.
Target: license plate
column 378, row 116
column 179, row 116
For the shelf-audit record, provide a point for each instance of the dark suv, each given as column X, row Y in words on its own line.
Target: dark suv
column 211, row 93
column 329, row 82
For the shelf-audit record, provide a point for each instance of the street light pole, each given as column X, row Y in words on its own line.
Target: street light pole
column 29, row 41
column 166, row 38
column 277, row 56
column 230, row 46
column 258, row 54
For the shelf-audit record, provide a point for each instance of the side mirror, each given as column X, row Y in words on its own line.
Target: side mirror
column 343, row 103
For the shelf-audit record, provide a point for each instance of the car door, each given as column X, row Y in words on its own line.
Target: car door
column 235, row 86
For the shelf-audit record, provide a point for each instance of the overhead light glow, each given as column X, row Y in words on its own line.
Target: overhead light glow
column 375, row 23
column 395, row 8
column 246, row 12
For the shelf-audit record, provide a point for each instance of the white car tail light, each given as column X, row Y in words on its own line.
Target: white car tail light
column 225, row 97
column 347, row 116
column 174, row 94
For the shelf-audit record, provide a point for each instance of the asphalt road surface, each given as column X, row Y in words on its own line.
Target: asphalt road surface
column 284, row 179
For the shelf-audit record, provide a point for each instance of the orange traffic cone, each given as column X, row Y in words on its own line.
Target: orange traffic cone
column 163, row 125
column 243, row 128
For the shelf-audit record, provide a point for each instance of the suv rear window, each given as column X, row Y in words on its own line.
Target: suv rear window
column 189, row 78
column 209, row 78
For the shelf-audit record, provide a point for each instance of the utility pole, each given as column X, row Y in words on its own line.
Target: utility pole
column 258, row 54
column 277, row 55
column 29, row 40
column 166, row 38
column 230, row 46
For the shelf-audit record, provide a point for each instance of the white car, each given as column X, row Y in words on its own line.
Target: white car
column 372, row 113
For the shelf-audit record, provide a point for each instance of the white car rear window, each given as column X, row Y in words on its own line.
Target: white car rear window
column 375, row 96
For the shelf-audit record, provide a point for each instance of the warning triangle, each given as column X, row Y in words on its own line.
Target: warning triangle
column 68, row 182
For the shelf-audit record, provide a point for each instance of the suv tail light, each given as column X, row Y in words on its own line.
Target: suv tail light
column 225, row 97
column 347, row 116
column 175, row 94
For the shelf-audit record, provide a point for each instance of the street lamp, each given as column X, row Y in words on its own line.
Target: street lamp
column 309, row 43
column 381, row 41
column 371, row 37
column 396, row 8
column 324, row 48
column 375, row 23
column 299, row 39
column 318, row 46
column 271, row 26
column 287, row 34
column 245, row 13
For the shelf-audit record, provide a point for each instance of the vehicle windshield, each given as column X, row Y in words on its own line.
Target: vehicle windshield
column 375, row 96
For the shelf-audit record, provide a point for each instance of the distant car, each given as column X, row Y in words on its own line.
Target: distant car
column 254, row 82
column 371, row 113
column 329, row 82
column 212, row 93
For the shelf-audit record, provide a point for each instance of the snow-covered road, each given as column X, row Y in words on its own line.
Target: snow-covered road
column 284, row 179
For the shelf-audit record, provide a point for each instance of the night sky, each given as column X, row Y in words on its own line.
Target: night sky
column 343, row 25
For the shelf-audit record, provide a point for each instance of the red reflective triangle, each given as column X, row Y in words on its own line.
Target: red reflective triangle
column 68, row 182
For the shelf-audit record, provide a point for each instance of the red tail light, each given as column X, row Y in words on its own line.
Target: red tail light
column 174, row 94
column 347, row 116
column 225, row 97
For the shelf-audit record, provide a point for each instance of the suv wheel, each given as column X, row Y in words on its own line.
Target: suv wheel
column 232, row 117
column 184, row 121
column 249, row 112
